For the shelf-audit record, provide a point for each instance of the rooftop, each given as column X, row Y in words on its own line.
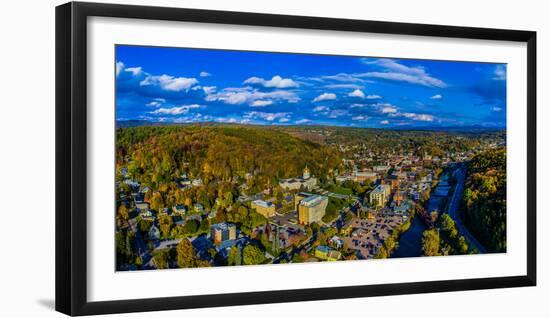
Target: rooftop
column 223, row 226
column 265, row 204
column 313, row 200
column 381, row 188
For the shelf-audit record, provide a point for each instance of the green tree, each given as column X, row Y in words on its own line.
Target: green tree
column 252, row 255
column 234, row 256
column 165, row 224
column 145, row 225
column 204, row 225
column 430, row 242
column 191, row 226
column 448, row 225
column 161, row 258
column 157, row 203
column 462, row 245
column 186, row 256
column 122, row 212
column 139, row 261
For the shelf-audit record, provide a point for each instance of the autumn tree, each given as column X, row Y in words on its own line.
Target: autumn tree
column 462, row 245
column 161, row 258
column 122, row 213
column 252, row 255
column 234, row 256
column 165, row 224
column 430, row 242
column 448, row 225
column 157, row 203
column 186, row 256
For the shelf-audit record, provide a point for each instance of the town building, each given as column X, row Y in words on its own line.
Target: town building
column 154, row 233
column 222, row 232
column 336, row 242
column 179, row 209
column 265, row 208
column 362, row 176
column 379, row 196
column 399, row 197
column 147, row 215
column 198, row 207
column 311, row 208
column 326, row 253
column 381, row 168
column 306, row 181
column 142, row 206
column 298, row 198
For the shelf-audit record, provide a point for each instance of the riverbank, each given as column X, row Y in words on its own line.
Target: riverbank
column 410, row 241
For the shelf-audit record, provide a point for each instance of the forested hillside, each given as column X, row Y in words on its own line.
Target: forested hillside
column 485, row 199
column 157, row 155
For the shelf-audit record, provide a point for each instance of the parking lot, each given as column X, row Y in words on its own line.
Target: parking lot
column 367, row 236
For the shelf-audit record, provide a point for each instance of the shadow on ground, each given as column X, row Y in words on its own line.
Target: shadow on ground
column 48, row 303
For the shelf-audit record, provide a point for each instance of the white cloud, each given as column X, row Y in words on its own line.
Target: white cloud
column 261, row 103
column 320, row 108
column 437, row 96
column 157, row 102
column 325, row 96
column 357, row 93
column 360, row 117
column 197, row 117
column 338, row 113
column 351, row 86
column 413, row 79
column 358, row 105
column 418, row 117
column 170, row 83
column 119, row 67
column 500, row 73
column 374, row 97
column 302, row 121
column 387, row 109
column 385, row 122
column 153, row 104
column 241, row 95
column 134, row 70
column 209, row 89
column 399, row 72
column 184, row 109
column 340, row 77
column 276, row 82
column 204, row 74
column 284, row 120
column 496, row 109
column 266, row 116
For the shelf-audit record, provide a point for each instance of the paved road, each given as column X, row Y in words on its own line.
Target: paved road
column 453, row 210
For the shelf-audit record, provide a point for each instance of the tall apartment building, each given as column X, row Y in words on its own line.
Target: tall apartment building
column 380, row 195
column 222, row 232
column 311, row 207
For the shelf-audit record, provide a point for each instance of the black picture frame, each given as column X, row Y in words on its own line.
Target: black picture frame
column 71, row 157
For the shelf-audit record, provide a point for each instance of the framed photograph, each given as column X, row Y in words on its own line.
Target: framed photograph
column 208, row 158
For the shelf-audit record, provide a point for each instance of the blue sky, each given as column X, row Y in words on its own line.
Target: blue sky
column 194, row 85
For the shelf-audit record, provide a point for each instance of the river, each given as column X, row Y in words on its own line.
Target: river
column 410, row 242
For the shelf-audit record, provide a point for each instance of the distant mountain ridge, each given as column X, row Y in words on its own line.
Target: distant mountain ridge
column 472, row 128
